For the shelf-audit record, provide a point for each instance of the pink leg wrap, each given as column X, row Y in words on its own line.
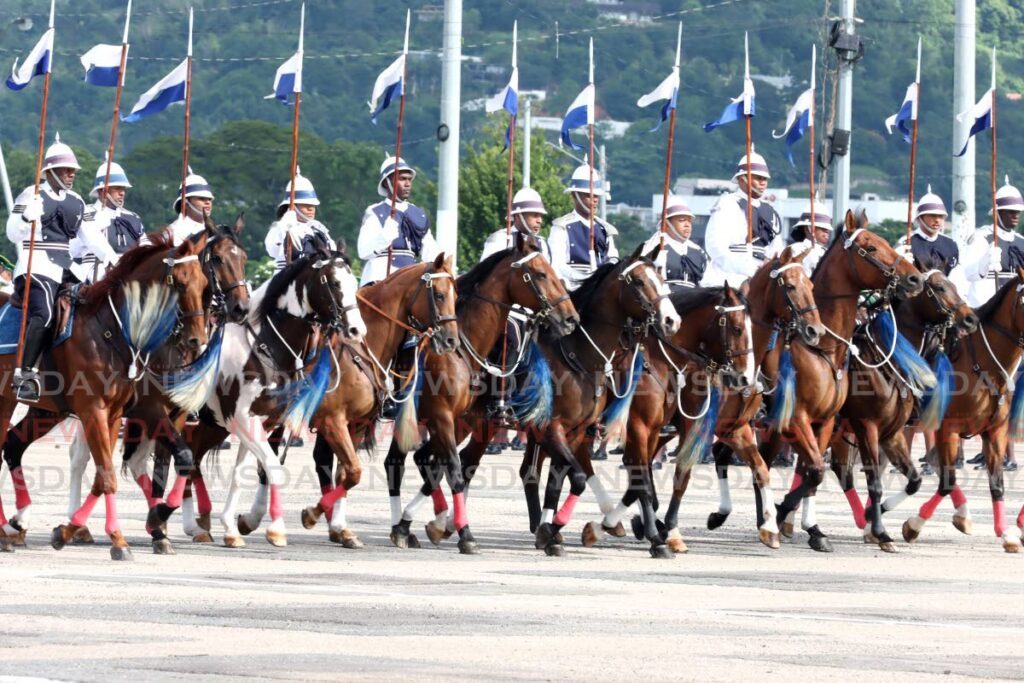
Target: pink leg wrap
column 928, row 509
column 328, row 512
column 329, row 498
column 276, row 509
column 1020, row 517
column 3, row 517
column 81, row 516
column 565, row 512
column 958, row 497
column 999, row 517
column 202, row 495
column 857, row 508
column 112, row 524
column 146, row 484
column 177, row 493
column 21, row 498
column 459, row 501
column 440, row 504
column 797, row 480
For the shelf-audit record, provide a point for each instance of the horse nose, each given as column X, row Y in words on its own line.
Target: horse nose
column 813, row 334
column 353, row 332
column 238, row 311
column 194, row 343
column 970, row 322
column 915, row 282
column 571, row 323
column 671, row 324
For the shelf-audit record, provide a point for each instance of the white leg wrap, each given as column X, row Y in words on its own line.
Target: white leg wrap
column 604, row 501
column 547, row 516
column 895, row 500
column 1011, row 538
column 396, row 509
column 809, row 517
column 339, row 519
column 724, row 497
column 916, row 522
column 188, row 516
column 22, row 515
column 962, row 511
column 616, row 515
column 414, row 505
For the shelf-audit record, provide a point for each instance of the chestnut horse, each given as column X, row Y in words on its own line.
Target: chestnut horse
column 520, row 276
column 781, row 304
column 125, row 318
column 984, row 361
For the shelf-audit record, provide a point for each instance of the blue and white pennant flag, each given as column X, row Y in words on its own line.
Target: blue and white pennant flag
column 741, row 106
column 102, row 65
column 508, row 97
column 37, row 63
column 907, row 114
column 391, row 81
column 581, row 111
column 668, row 89
column 167, row 91
column 288, row 78
column 981, row 113
column 799, row 119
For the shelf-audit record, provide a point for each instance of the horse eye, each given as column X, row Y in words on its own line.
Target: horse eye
column 736, row 330
column 636, row 283
column 215, row 260
column 541, row 275
column 871, row 249
column 439, row 296
column 791, row 287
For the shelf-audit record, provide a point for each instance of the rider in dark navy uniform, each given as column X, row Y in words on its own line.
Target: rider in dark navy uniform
column 682, row 261
column 927, row 243
column 108, row 228
column 570, row 234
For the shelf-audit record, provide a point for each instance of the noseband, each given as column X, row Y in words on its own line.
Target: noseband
column 217, row 290
column 436, row 319
column 888, row 271
column 171, row 262
column 650, row 306
column 547, row 307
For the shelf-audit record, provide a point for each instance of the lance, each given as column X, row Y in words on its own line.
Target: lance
column 913, row 143
column 398, row 130
column 590, row 162
column 508, row 206
column 188, row 114
column 32, row 231
column 810, row 135
column 995, row 213
column 295, row 129
column 747, row 115
column 671, row 138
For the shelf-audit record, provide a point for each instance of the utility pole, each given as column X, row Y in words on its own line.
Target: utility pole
column 527, row 132
column 603, row 167
column 448, row 130
column 841, row 141
column 963, row 99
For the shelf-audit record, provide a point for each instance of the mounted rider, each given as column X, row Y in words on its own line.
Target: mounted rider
column 300, row 225
column 108, row 229
column 198, row 205
column 682, row 261
column 57, row 213
column 927, row 243
column 725, row 239
column 985, row 265
column 407, row 233
column 813, row 236
column 570, row 234
column 527, row 218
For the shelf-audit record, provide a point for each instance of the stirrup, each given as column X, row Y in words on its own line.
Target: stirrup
column 503, row 414
column 27, row 388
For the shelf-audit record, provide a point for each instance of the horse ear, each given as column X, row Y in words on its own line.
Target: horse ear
column 449, row 263
column 862, row 218
column 193, row 245
column 798, row 257
column 342, row 246
column 849, row 223
column 239, row 223
column 208, row 221
column 1020, row 274
column 439, row 261
column 637, row 253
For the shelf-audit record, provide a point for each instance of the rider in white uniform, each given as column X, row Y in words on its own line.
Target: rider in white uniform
column 682, row 262
column 300, row 225
column 198, row 204
column 986, row 265
column 108, row 229
column 570, row 240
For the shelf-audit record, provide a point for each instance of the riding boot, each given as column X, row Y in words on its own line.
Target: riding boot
column 26, row 379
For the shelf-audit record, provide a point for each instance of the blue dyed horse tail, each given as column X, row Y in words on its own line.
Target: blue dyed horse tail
column 906, row 357
column 784, row 400
column 1017, row 408
column 936, row 401
column 532, row 398
column 701, row 433
column 617, row 410
column 190, row 387
column 407, row 427
column 303, row 396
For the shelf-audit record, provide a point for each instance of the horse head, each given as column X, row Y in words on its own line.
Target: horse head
column 788, row 294
column 433, row 301
column 872, row 263
column 347, row 316
column 644, row 294
column 224, row 262
column 533, row 283
column 941, row 304
column 735, row 338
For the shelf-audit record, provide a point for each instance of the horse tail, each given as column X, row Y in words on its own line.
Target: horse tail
column 700, row 435
column 905, row 356
column 532, row 400
column 936, row 402
column 1017, row 408
column 617, row 411
column 784, row 405
column 189, row 387
column 302, row 397
column 407, row 426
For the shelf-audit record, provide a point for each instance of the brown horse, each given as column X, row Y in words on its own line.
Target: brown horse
column 983, row 363
column 781, row 303
column 125, row 318
column 418, row 300
column 805, row 411
column 520, row 276
column 877, row 407
column 713, row 349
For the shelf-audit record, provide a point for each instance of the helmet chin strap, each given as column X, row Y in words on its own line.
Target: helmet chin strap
column 110, row 202
column 54, row 179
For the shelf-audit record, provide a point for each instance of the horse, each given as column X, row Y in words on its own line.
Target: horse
column 780, row 299
column 805, row 411
column 877, row 408
column 345, row 416
column 984, row 361
column 448, row 384
column 227, row 295
column 714, row 349
column 122, row 321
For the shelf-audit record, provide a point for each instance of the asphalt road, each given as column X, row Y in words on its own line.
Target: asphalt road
column 947, row 607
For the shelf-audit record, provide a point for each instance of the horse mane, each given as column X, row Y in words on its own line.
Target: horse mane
column 836, row 239
column 97, row 293
column 280, row 283
column 581, row 298
column 466, row 284
column 688, row 299
column 227, row 232
column 988, row 309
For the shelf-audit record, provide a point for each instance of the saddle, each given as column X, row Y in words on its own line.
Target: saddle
column 68, row 296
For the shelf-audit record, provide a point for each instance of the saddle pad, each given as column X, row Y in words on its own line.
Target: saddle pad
column 10, row 328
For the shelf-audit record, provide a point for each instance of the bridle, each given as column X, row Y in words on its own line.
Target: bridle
column 547, row 307
column 889, row 271
column 437, row 320
column 797, row 323
column 636, row 286
column 218, row 291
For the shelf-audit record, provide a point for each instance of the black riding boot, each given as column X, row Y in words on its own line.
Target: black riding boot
column 26, row 379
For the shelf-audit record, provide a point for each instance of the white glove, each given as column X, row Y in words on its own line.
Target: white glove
column 389, row 232
column 992, row 260
column 288, row 225
column 661, row 260
column 905, row 251
column 33, row 209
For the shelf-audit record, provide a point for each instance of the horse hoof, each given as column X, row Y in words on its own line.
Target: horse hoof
column 414, row 542
column 278, row 539
column 121, row 553
column 963, row 524
column 57, row 538
column 163, row 547
column 6, row 546
column 820, row 544
column 546, row 535
column 554, row 550
column 662, row 552
column 676, row 544
column 399, row 537
column 787, row 529
column 871, row 539
column 243, row 526
column 468, row 546
column 203, row 521
column 435, row 533
column 18, row 540
column 202, row 537
column 234, row 542
column 589, row 536
column 909, row 533
column 310, row 516
column 716, row 519
column 618, row 531
column 637, row 525
column 346, row 538
column 82, row 537
column 1011, row 545
column 887, row 547
column 768, row 538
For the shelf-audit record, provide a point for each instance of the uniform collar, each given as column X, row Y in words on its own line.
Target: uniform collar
column 740, row 194
column 578, row 218
column 925, row 236
column 57, row 194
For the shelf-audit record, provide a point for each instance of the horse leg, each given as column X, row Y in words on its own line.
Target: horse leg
column 722, row 453
column 248, row 522
column 806, row 445
column 19, row 438
column 251, row 433
column 843, row 467
column 745, row 446
column 401, row 519
column 867, row 438
column 899, row 455
column 244, row 458
column 78, row 454
column 636, row 449
column 337, row 438
column 529, row 473
column 947, row 445
column 394, row 469
column 996, row 441
column 648, row 499
column 442, row 443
